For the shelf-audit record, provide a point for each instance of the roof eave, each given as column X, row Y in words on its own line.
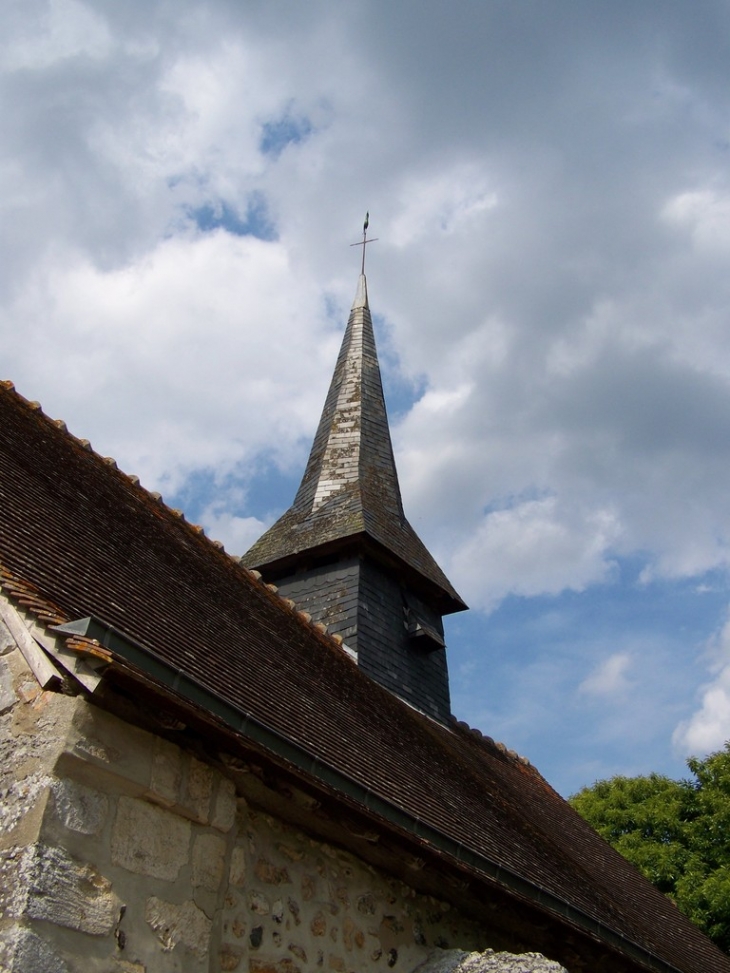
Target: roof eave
column 360, row 543
column 140, row 661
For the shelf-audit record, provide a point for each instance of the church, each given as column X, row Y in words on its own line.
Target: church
column 212, row 763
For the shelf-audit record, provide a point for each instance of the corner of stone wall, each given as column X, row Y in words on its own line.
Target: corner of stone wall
column 124, row 853
column 33, row 726
column 114, row 843
column 120, row 852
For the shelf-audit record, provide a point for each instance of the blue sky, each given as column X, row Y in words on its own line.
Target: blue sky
column 550, row 186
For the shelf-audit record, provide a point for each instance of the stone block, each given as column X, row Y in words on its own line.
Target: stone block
column 458, row 961
column 7, row 693
column 7, row 642
column 175, row 924
column 67, row 893
column 79, row 808
column 224, row 812
column 166, row 772
column 22, row 951
column 149, row 840
column 198, row 791
column 268, row 966
column 237, row 873
column 111, row 747
column 208, row 861
column 23, row 804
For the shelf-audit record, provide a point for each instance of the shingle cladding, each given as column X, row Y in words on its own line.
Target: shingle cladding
column 387, row 654
column 330, row 593
column 93, row 543
column 364, row 604
column 350, row 486
column 349, row 506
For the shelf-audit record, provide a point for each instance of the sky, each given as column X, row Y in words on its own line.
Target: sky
column 549, row 184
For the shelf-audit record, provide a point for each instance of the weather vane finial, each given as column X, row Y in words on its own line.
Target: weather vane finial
column 364, row 242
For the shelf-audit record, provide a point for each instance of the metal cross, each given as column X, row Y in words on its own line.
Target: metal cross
column 364, row 242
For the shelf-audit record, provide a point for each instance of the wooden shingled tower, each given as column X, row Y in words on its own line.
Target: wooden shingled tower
column 344, row 551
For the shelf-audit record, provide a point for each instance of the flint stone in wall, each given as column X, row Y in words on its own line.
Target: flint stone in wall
column 148, row 840
column 258, row 903
column 78, row 807
column 456, row 961
column 185, row 924
column 65, row 892
column 230, row 958
column 237, row 874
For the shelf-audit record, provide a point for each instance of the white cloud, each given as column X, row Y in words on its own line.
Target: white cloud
column 568, row 346
column 51, row 31
column 236, row 533
column 708, row 728
column 610, row 677
column 534, row 548
column 706, row 213
column 551, row 200
column 443, row 202
column 186, row 359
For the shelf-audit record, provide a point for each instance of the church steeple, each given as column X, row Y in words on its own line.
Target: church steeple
column 344, row 550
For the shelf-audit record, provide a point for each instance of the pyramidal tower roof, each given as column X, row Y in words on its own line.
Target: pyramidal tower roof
column 349, row 495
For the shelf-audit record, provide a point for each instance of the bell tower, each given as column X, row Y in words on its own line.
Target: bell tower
column 344, row 551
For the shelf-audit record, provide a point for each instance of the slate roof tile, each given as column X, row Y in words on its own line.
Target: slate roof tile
column 77, row 538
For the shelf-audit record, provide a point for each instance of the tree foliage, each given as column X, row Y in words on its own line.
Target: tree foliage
column 676, row 832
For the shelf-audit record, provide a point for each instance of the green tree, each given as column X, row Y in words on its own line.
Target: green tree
column 676, row 832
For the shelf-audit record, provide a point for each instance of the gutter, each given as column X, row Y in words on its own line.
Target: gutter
column 147, row 660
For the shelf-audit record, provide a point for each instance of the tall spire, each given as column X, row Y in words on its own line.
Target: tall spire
column 350, row 486
column 344, row 551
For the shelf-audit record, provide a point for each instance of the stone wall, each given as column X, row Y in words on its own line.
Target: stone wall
column 297, row 903
column 122, row 853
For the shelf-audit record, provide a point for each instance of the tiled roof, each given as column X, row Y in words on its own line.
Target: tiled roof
column 350, row 487
column 79, row 538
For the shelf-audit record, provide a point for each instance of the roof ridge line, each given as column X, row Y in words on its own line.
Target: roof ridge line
column 489, row 743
